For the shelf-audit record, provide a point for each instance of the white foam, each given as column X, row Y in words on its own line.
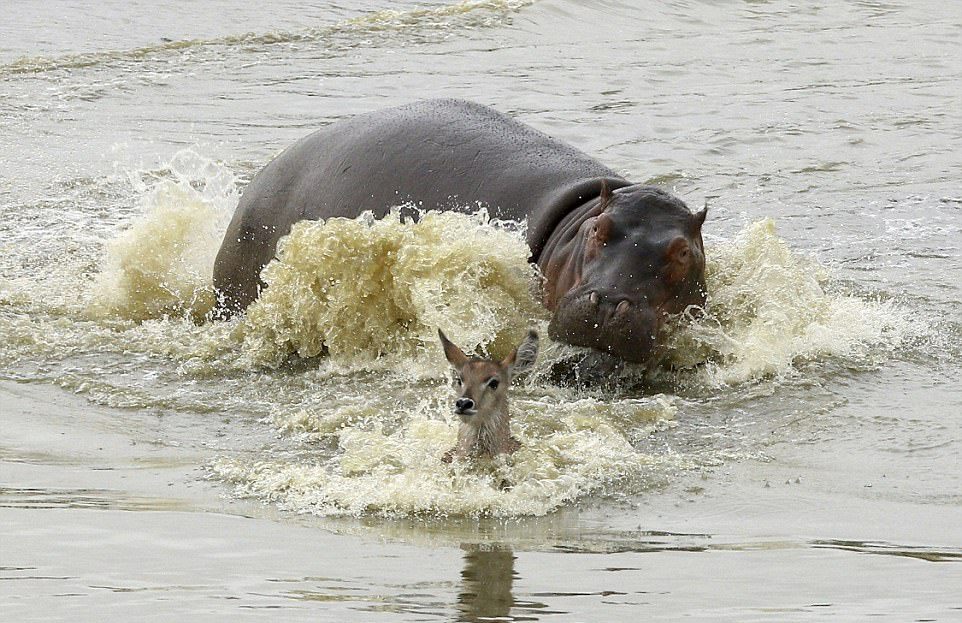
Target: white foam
column 770, row 308
column 162, row 265
column 570, row 449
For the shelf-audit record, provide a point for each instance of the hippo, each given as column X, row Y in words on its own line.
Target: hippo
column 617, row 258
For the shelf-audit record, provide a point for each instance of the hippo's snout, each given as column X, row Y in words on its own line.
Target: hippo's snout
column 612, row 324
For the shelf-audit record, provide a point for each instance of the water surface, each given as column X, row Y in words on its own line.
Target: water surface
column 801, row 461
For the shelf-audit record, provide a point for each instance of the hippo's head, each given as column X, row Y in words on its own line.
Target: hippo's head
column 636, row 258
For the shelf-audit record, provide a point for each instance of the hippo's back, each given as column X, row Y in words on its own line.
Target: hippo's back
column 437, row 154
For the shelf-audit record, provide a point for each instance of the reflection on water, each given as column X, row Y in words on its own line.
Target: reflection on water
column 486, row 583
column 487, row 593
column 929, row 554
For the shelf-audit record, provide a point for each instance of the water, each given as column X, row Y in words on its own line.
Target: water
column 800, row 461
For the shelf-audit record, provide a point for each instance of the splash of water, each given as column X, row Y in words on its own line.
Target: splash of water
column 365, row 290
column 368, row 421
column 770, row 308
column 362, row 289
column 570, row 448
column 162, row 265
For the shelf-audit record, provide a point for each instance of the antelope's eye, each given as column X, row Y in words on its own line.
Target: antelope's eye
column 457, row 380
column 493, row 383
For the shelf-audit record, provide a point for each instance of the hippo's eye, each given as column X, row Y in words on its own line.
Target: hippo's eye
column 493, row 383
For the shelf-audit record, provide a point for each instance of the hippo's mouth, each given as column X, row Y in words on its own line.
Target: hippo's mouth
column 623, row 330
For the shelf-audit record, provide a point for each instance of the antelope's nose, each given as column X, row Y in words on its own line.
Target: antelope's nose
column 463, row 405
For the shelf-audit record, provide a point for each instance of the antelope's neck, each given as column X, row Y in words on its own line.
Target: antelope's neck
column 496, row 425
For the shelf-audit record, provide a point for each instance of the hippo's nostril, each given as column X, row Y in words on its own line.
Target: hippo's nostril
column 464, row 404
column 622, row 307
column 593, row 298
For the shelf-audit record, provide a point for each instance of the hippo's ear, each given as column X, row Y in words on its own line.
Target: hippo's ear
column 605, row 197
column 698, row 218
column 452, row 353
column 523, row 357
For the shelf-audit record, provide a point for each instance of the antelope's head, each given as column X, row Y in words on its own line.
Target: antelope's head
column 482, row 384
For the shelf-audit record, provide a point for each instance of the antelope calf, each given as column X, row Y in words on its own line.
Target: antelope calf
column 482, row 403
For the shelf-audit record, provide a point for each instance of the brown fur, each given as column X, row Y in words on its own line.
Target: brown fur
column 483, row 383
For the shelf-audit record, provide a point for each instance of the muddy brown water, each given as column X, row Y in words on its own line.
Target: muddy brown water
column 802, row 463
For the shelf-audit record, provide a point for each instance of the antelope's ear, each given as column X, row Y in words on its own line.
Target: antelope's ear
column 452, row 353
column 523, row 357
